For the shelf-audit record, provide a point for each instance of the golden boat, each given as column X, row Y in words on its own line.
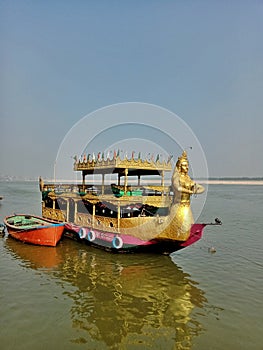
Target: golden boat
column 127, row 216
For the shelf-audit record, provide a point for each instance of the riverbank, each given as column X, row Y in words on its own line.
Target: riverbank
column 231, row 182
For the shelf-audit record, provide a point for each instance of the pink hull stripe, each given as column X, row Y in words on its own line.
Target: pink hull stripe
column 195, row 235
column 130, row 240
column 108, row 236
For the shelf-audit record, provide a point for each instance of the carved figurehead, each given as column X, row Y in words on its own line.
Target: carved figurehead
column 183, row 187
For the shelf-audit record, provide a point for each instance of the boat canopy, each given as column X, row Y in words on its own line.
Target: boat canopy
column 123, row 167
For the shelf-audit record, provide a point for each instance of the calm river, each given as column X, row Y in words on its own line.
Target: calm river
column 77, row 297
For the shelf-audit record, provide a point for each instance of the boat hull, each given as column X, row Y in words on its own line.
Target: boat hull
column 122, row 243
column 46, row 233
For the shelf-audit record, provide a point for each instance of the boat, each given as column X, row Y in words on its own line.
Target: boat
column 34, row 229
column 127, row 216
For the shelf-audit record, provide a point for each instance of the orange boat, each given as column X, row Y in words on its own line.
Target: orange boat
column 34, row 229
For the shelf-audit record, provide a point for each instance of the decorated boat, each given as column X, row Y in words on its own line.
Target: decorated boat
column 34, row 230
column 127, row 215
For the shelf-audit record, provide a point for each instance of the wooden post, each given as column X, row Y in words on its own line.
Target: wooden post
column 102, row 185
column 119, row 215
column 75, row 210
column 83, row 181
column 93, row 214
column 163, row 182
column 67, row 210
column 126, row 180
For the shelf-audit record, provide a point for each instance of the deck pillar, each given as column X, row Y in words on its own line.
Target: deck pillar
column 126, row 180
column 67, row 210
column 75, row 210
column 102, row 184
column 83, row 181
column 163, row 182
column 118, row 216
column 93, row 214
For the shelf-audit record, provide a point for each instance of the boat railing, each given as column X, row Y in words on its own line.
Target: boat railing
column 54, row 214
column 116, row 190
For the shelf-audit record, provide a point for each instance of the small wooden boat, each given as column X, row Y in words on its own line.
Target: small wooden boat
column 34, row 229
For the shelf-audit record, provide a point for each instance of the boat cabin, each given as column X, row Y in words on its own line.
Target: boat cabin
column 112, row 193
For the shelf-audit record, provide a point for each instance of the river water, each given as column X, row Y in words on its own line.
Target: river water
column 77, row 297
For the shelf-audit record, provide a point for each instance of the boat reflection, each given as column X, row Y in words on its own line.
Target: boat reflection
column 122, row 301
column 38, row 257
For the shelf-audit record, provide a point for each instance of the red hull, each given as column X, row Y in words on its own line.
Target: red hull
column 47, row 234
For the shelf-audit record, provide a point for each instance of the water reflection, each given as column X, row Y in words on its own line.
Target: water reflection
column 121, row 300
column 36, row 257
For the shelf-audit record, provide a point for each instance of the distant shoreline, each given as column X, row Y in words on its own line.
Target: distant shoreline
column 231, row 182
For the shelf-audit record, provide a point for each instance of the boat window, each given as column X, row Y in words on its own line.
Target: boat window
column 84, row 207
column 106, row 209
column 61, row 204
column 48, row 203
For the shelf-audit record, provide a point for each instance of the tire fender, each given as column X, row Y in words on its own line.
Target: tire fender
column 117, row 242
column 82, row 233
column 91, row 236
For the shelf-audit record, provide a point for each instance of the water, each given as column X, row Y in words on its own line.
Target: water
column 77, row 297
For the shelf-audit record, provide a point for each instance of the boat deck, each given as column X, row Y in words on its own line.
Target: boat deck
column 26, row 221
column 151, row 195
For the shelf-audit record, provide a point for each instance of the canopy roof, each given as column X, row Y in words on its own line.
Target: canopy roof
column 135, row 167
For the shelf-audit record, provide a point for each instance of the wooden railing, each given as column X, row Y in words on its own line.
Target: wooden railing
column 147, row 190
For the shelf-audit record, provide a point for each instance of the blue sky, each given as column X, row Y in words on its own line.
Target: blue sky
column 61, row 60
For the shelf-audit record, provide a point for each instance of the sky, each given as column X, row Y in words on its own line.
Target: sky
column 62, row 60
